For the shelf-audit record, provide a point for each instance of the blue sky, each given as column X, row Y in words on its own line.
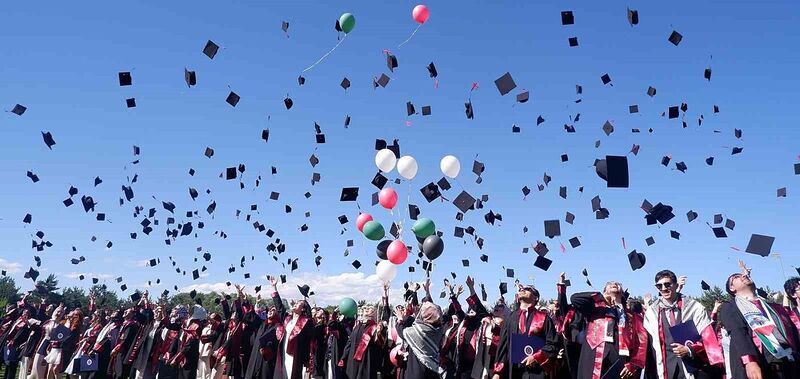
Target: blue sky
column 61, row 61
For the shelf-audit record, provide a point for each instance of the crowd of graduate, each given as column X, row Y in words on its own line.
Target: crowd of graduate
column 597, row 335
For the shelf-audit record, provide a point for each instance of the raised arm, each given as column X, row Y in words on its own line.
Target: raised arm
column 474, row 301
column 276, row 298
column 385, row 310
column 427, row 287
column 583, row 302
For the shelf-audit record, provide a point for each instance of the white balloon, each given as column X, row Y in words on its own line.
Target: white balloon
column 386, row 271
column 407, row 167
column 385, row 160
column 450, row 166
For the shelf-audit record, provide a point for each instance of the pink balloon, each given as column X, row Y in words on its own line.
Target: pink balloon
column 387, row 198
column 362, row 219
column 421, row 13
column 397, row 252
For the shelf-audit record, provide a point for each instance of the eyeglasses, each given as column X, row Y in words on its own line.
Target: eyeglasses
column 665, row 285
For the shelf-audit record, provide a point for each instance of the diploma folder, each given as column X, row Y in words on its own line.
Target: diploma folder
column 686, row 334
column 523, row 345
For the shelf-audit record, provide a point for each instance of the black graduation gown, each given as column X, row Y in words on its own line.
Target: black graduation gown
column 320, row 348
column 16, row 338
column 190, row 351
column 414, row 369
column 572, row 338
column 166, row 371
column 742, row 345
column 302, row 351
column 265, row 338
column 510, row 327
column 465, row 361
column 336, row 341
column 372, row 360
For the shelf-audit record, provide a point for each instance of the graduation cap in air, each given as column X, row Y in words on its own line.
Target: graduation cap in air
column 707, row 74
column 797, row 168
column 719, row 232
column 659, row 213
column 760, row 245
column 19, row 109
column 125, row 79
column 523, row 97
column 505, row 84
column 637, row 260
column 552, row 228
column 651, row 91
column 232, row 99
column 285, row 26
column 614, row 170
column 345, row 83
column 542, row 263
column 426, row 110
column 468, row 110
column 391, row 62
column 605, row 79
column 305, row 290
column 210, row 50
column 35, row 178
column 301, row 80
column 430, row 192
column 691, row 215
column 464, row 201
column 782, row 192
column 675, row 38
column 288, row 102
column 432, row 70
column 383, row 80
column 349, row 194
column 32, row 274
column 681, row 166
column 190, row 77
column 633, row 17
column 48, row 140
column 567, row 18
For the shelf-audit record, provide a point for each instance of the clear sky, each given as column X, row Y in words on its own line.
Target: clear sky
column 61, row 59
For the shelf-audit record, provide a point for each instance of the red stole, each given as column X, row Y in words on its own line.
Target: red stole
column 361, row 347
column 291, row 345
column 596, row 329
column 537, row 323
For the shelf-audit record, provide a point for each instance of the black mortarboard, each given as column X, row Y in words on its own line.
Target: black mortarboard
column 717, row 218
column 503, row 288
column 123, row 287
column 505, row 84
column 704, row 286
column 674, row 234
column 510, row 272
column 675, row 38
column 542, row 263
column 48, row 140
column 410, row 108
column 232, row 99
column 301, row 80
column 430, row 192
column 464, row 201
column 523, row 97
column 760, row 245
column 736, row 150
column 797, row 168
column 468, row 110
column 605, row 78
column 567, row 18
column 633, row 109
column 304, row 290
column 552, row 228
column 383, row 80
column 413, row 211
column 432, row 70
column 19, row 109
column 573, row 41
column 730, row 224
column 633, row 17
column 125, row 79
column 710, row 161
column 719, row 232
column 35, row 178
column 574, row 242
column 673, row 112
column 484, row 258
column 190, row 77
column 345, row 83
column 617, row 171
column 426, row 110
column 651, row 91
column 782, row 192
column 443, row 184
column 650, row 241
column 391, row 62
column 659, row 213
column 288, row 102
column 562, row 192
column 569, row 218
column 707, row 74
column 136, row 296
column 210, row 50
column 637, row 260
column 691, row 215
column 349, row 194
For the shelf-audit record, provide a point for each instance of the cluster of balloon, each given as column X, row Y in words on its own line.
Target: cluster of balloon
column 420, row 14
column 348, row 307
column 346, row 23
column 450, row 166
column 406, row 166
column 430, row 243
column 372, row 229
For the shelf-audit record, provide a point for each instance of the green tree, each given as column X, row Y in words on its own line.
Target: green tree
column 75, row 297
column 9, row 290
column 708, row 298
column 104, row 297
column 47, row 290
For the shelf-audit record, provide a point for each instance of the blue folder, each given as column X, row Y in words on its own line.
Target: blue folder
column 88, row 363
column 523, row 345
column 685, row 333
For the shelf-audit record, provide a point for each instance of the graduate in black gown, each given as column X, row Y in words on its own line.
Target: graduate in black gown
column 265, row 340
column 571, row 326
column 364, row 353
column 527, row 320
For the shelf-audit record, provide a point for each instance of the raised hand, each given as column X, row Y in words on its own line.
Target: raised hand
column 743, row 268
column 681, row 282
column 562, row 279
column 459, row 290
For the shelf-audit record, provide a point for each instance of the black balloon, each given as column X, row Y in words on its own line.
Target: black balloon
column 433, row 246
column 382, row 247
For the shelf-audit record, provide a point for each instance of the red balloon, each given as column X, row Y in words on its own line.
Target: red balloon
column 421, row 13
column 397, row 252
column 387, row 198
column 362, row 219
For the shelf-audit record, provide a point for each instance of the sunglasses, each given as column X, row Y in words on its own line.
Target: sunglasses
column 665, row 285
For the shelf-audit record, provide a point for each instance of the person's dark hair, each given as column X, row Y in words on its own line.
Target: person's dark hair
column 667, row 274
column 790, row 286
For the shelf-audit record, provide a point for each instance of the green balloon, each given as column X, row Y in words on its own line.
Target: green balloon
column 347, row 22
column 373, row 230
column 423, row 228
column 348, row 307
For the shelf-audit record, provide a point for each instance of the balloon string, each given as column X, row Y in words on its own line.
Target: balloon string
column 412, row 36
column 326, row 54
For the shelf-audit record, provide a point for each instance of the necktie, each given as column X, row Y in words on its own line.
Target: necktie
column 672, row 320
column 523, row 318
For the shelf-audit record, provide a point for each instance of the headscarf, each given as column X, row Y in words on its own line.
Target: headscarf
column 425, row 335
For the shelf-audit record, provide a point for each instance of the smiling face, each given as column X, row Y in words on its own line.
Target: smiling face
column 740, row 282
column 528, row 295
column 666, row 288
column 612, row 289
